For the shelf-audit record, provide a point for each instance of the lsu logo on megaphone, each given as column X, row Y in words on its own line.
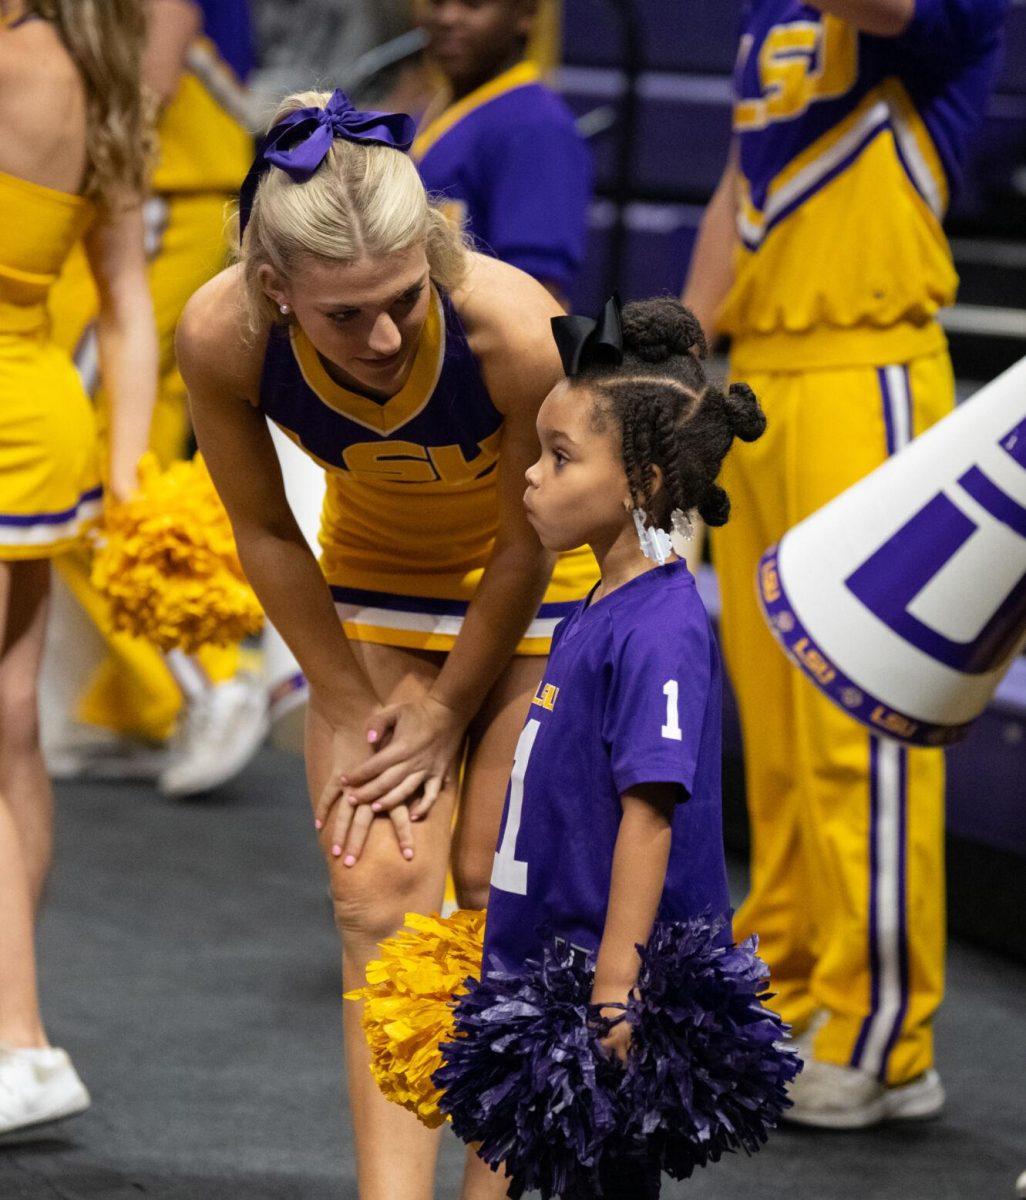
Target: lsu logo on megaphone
column 924, row 553
column 948, row 584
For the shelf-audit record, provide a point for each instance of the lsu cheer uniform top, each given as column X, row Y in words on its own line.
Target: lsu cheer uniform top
column 850, row 146
column 631, row 695
column 49, row 477
column 411, row 508
column 508, row 162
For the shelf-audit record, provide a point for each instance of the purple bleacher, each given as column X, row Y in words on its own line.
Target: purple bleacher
column 997, row 157
column 586, row 89
column 660, row 239
column 1013, row 77
column 659, row 242
column 591, row 288
column 676, row 35
column 682, row 133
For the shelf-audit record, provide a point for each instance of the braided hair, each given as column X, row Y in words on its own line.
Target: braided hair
column 669, row 415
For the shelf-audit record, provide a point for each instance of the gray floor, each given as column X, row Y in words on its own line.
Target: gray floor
column 190, row 966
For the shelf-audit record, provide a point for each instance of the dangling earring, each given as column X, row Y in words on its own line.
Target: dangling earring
column 655, row 543
column 682, row 524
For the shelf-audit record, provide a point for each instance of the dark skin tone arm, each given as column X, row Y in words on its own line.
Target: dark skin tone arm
column 640, row 860
column 884, row 18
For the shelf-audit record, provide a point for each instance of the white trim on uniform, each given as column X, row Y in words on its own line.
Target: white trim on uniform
column 46, row 531
column 442, row 624
column 809, row 177
column 887, row 888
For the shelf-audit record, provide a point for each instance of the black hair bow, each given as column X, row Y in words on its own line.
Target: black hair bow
column 584, row 343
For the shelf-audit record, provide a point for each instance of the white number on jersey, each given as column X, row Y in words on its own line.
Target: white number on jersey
column 672, row 730
column 509, row 873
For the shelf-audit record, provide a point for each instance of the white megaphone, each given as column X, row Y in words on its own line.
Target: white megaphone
column 904, row 599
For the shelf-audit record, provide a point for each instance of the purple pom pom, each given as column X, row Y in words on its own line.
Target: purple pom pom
column 706, row 1072
column 526, row 1078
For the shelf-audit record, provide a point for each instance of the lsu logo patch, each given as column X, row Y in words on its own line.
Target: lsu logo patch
column 546, row 695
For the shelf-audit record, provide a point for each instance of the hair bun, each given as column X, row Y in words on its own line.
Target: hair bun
column 715, row 508
column 746, row 418
column 658, row 329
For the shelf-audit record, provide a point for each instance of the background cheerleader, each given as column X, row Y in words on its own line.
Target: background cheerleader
column 822, row 255
column 197, row 58
column 498, row 147
column 71, row 164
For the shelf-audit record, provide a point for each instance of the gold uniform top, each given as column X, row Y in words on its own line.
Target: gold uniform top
column 203, row 146
column 49, row 482
column 849, row 146
column 412, row 507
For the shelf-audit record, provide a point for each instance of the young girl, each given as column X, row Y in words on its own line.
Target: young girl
column 612, row 817
column 71, row 166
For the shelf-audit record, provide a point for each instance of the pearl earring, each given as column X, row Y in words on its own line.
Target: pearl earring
column 284, row 309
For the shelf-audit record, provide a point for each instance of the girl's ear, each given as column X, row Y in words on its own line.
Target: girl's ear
column 657, row 481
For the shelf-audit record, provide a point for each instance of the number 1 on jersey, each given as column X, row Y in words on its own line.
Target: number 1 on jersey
column 509, row 873
column 672, row 730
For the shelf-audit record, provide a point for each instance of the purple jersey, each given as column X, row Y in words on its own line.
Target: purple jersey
column 509, row 162
column 631, row 695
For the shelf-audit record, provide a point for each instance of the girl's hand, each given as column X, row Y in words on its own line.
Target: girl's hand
column 344, row 833
column 617, row 1041
column 419, row 742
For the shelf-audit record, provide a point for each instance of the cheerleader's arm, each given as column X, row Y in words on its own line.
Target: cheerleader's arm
column 126, row 336
column 883, row 18
column 221, row 368
column 711, row 273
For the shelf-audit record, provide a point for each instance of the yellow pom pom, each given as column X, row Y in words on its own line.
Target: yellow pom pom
column 167, row 564
column 408, row 1003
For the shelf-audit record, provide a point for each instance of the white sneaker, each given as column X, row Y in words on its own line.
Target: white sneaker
column 103, row 754
column 38, row 1087
column 834, row 1097
column 223, row 728
column 801, row 1043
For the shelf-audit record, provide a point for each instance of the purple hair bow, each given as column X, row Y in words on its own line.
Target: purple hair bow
column 300, row 142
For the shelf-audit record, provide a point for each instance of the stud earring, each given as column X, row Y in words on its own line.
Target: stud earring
column 284, row 309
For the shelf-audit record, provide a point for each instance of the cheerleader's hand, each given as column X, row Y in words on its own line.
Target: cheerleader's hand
column 419, row 742
column 122, row 484
column 342, row 828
